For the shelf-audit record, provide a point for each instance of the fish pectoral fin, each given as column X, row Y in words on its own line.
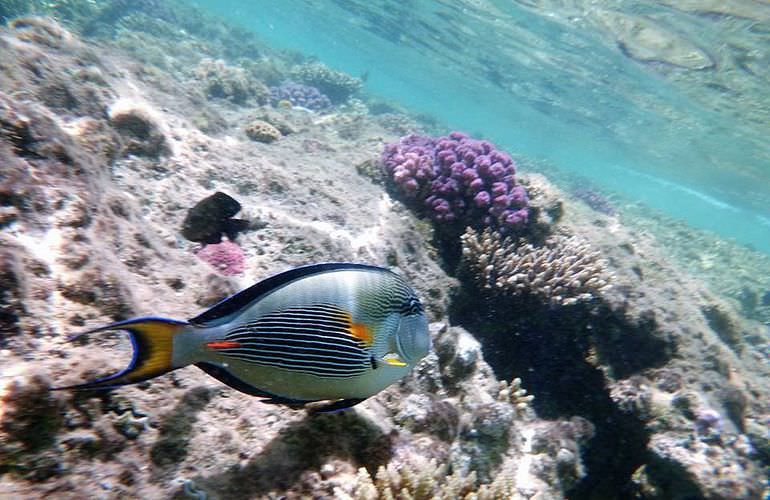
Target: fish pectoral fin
column 393, row 359
column 342, row 404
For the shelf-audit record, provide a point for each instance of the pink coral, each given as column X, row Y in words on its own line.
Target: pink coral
column 457, row 181
column 227, row 257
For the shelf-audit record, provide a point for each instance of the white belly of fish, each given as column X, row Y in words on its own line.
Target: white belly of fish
column 304, row 386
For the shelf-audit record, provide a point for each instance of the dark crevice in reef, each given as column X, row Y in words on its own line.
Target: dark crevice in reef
column 556, row 352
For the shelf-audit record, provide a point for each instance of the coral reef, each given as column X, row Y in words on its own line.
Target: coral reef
column 562, row 272
column 138, row 128
column 658, row 391
column 456, row 180
column 30, row 418
column 338, row 86
column 226, row 257
column 261, row 131
column 420, row 480
column 230, row 82
column 300, row 95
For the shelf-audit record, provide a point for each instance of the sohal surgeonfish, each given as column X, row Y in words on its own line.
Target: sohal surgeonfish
column 334, row 332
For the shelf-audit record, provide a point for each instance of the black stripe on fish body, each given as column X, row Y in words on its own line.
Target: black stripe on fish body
column 299, row 324
column 326, row 361
column 310, row 368
column 299, row 348
column 316, row 339
column 293, row 324
column 268, row 332
column 299, row 351
column 242, row 299
column 304, row 361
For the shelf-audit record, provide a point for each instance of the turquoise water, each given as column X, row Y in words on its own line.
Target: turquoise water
column 551, row 83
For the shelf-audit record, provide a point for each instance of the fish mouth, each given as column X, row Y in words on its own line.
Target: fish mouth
column 415, row 329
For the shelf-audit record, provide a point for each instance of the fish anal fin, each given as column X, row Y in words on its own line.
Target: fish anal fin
column 239, row 385
column 340, row 405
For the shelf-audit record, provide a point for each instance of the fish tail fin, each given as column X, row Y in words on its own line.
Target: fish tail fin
column 152, row 340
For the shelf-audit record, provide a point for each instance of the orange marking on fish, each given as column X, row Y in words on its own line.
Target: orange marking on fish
column 362, row 333
column 223, row 344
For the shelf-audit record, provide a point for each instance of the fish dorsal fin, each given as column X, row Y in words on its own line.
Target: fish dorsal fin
column 241, row 299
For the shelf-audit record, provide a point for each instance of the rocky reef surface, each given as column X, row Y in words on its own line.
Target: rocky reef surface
column 650, row 385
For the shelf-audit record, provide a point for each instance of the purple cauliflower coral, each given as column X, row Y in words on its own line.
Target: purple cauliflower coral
column 457, row 180
column 227, row 257
column 299, row 95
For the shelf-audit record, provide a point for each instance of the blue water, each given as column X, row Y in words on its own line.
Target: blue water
column 545, row 85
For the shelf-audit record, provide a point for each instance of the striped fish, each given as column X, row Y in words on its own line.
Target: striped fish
column 334, row 332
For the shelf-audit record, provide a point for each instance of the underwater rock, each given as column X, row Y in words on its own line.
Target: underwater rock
column 594, row 199
column 683, row 468
column 215, row 288
column 261, row 131
column 42, row 31
column 338, row 86
column 757, row 11
column 97, row 138
column 211, row 217
column 11, row 293
column 43, row 152
column 644, row 40
column 102, row 290
column 458, row 355
column 139, row 129
column 725, row 324
column 427, row 413
column 177, row 426
column 230, row 83
column 30, row 419
column 278, row 121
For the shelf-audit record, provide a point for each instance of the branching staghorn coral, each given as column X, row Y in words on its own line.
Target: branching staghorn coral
column 426, row 480
column 515, row 394
column 563, row 271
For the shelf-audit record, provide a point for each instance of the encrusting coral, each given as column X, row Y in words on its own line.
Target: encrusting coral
column 261, row 131
column 563, row 271
column 141, row 133
column 298, row 94
column 338, row 86
column 229, row 82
